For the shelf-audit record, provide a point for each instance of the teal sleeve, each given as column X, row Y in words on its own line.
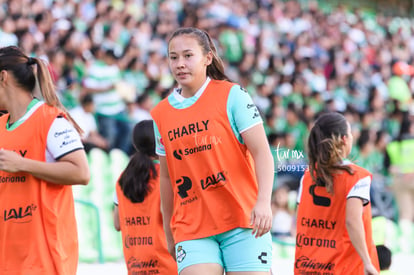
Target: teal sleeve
column 241, row 111
column 159, row 147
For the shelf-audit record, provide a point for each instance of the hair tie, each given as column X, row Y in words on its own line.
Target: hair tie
column 31, row 61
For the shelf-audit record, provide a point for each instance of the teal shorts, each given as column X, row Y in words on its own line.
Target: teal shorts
column 234, row 250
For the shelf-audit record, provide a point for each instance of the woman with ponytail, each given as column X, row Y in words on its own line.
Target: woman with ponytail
column 41, row 156
column 216, row 168
column 334, row 234
column 137, row 211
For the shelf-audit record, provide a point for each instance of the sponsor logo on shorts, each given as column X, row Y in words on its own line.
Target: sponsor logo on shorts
column 263, row 258
column 180, row 254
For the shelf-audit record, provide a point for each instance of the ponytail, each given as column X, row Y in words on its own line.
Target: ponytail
column 134, row 181
column 48, row 91
column 216, row 69
column 325, row 148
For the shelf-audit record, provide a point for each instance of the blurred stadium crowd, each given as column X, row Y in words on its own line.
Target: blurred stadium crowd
column 108, row 60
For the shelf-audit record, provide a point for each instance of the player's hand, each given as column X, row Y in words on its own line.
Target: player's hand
column 9, row 161
column 370, row 270
column 261, row 218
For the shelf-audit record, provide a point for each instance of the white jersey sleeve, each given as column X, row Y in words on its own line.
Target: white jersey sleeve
column 361, row 190
column 62, row 139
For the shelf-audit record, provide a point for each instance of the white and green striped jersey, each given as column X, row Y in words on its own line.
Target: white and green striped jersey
column 100, row 76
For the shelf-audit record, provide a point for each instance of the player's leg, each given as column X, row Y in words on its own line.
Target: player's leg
column 199, row 257
column 243, row 254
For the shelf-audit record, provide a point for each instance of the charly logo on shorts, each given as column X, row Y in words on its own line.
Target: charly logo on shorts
column 263, row 258
column 180, row 254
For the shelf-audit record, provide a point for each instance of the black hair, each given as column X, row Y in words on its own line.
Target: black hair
column 273, row 136
column 86, row 99
column 134, row 181
column 110, row 53
column 364, row 138
column 405, row 126
column 384, row 257
column 141, row 98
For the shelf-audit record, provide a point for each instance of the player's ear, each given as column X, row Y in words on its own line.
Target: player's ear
column 209, row 59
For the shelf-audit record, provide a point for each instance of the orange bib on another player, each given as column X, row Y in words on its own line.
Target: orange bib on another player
column 144, row 242
column 323, row 245
column 38, row 233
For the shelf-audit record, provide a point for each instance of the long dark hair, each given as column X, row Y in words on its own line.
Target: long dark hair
column 141, row 168
column 405, row 126
column 13, row 60
column 325, row 147
column 216, row 69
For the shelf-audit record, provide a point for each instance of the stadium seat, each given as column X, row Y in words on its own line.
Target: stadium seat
column 89, row 232
column 98, row 239
column 118, row 161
